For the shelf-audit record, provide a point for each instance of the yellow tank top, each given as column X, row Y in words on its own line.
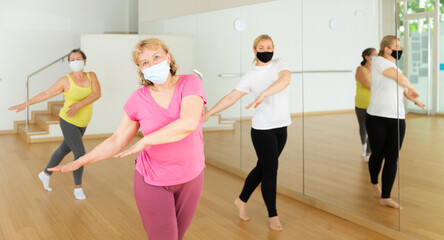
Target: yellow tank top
column 362, row 98
column 73, row 95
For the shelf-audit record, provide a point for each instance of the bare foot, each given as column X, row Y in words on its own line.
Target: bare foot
column 275, row 224
column 389, row 203
column 376, row 190
column 242, row 207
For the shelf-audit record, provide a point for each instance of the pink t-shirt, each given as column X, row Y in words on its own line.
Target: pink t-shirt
column 170, row 163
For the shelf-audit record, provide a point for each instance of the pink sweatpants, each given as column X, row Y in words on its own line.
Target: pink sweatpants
column 167, row 211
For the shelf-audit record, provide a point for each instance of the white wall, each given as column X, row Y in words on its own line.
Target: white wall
column 134, row 16
column 38, row 33
column 34, row 33
column 110, row 59
column 388, row 17
column 150, row 10
column 301, row 33
column 327, row 49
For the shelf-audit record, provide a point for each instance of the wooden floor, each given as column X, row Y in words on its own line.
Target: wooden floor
column 322, row 160
column 29, row 212
column 421, row 164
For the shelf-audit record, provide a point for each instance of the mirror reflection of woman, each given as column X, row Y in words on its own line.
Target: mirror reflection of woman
column 80, row 89
column 362, row 98
column 385, row 121
column 268, row 80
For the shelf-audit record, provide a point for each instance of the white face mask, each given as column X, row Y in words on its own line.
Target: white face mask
column 77, row 65
column 158, row 73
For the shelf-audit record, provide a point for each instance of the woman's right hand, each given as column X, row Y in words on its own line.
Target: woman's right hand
column 412, row 93
column 419, row 103
column 18, row 108
column 72, row 166
column 205, row 117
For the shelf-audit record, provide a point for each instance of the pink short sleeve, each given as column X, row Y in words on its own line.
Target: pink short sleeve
column 193, row 86
column 132, row 104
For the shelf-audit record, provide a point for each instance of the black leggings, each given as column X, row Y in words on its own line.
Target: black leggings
column 72, row 142
column 361, row 114
column 268, row 145
column 383, row 135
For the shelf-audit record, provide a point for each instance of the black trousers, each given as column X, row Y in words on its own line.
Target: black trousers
column 361, row 113
column 268, row 145
column 386, row 136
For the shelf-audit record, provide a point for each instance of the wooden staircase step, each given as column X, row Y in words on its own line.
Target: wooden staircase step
column 44, row 120
column 55, row 109
column 33, row 129
column 40, row 121
column 48, row 118
column 218, row 124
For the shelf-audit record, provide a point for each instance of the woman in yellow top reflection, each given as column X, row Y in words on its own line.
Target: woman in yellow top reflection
column 80, row 90
column 362, row 98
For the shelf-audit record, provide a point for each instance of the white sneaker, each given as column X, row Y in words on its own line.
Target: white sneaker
column 78, row 194
column 364, row 150
column 45, row 181
column 367, row 158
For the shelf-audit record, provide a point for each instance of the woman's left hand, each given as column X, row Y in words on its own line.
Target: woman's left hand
column 73, row 109
column 72, row 166
column 419, row 103
column 139, row 146
column 256, row 102
column 18, row 108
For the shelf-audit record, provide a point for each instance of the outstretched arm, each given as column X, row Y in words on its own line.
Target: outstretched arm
column 226, row 102
column 280, row 84
column 96, row 94
column 53, row 91
column 125, row 132
column 402, row 80
column 190, row 116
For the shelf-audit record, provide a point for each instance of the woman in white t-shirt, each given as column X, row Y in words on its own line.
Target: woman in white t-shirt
column 268, row 80
column 386, row 115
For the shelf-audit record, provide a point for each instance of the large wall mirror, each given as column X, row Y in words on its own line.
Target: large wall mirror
column 421, row 156
column 322, row 42
column 336, row 168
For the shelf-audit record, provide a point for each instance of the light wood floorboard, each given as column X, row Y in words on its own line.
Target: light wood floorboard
column 322, row 160
column 29, row 212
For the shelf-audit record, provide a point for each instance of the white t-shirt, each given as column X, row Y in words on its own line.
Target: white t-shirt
column 386, row 95
column 274, row 111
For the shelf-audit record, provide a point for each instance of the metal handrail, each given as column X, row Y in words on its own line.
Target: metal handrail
column 198, row 73
column 229, row 75
column 322, row 71
column 27, row 84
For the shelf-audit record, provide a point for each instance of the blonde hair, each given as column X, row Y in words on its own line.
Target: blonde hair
column 257, row 40
column 386, row 41
column 152, row 43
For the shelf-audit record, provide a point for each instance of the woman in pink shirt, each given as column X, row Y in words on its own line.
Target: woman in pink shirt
column 168, row 109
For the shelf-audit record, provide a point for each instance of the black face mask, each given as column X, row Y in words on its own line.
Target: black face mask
column 396, row 54
column 264, row 56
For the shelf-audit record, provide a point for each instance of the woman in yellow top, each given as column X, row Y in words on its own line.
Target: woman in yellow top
column 80, row 90
column 362, row 98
